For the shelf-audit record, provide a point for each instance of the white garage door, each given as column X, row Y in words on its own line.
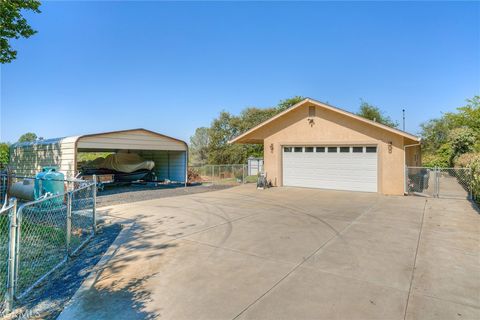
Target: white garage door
column 331, row 167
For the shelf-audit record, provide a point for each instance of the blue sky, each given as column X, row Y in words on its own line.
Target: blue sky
column 172, row 67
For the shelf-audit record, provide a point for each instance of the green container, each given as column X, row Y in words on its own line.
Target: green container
column 49, row 181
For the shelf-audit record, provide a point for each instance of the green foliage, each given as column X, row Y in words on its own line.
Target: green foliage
column 434, row 134
column 287, row 103
column 462, row 140
column 14, row 25
column 4, row 153
column 215, row 148
column 459, row 131
column 27, row 137
column 467, row 116
column 375, row 114
column 199, row 147
column 442, row 158
column 472, row 160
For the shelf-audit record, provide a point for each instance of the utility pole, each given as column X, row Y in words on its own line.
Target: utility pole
column 403, row 112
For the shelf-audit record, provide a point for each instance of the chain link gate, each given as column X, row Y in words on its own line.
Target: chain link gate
column 37, row 237
column 454, row 183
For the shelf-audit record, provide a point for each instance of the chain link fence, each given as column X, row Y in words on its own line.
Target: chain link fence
column 39, row 236
column 83, row 216
column 6, row 213
column 453, row 183
column 226, row 174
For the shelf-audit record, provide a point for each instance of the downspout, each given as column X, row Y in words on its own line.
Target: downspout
column 405, row 178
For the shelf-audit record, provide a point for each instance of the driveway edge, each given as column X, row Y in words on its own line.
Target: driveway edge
column 88, row 283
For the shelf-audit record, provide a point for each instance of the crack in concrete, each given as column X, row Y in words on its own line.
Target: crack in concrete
column 415, row 260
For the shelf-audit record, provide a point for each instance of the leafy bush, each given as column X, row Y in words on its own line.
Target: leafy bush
column 472, row 161
column 462, row 140
column 442, row 158
column 4, row 154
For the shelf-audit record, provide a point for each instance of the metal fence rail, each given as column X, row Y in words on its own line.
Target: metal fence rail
column 226, row 174
column 439, row 182
column 39, row 236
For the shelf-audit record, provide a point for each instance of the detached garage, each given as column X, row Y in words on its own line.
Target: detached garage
column 168, row 154
column 315, row 145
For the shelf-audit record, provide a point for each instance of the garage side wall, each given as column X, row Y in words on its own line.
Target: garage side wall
column 413, row 156
column 330, row 128
column 28, row 159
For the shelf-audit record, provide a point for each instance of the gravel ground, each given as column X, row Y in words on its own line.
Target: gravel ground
column 133, row 193
column 48, row 300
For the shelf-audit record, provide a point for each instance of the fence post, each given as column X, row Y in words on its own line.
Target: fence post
column 69, row 222
column 213, row 172
column 11, row 256
column 94, row 208
column 243, row 173
column 470, row 185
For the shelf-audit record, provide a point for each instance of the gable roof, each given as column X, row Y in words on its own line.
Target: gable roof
column 327, row 107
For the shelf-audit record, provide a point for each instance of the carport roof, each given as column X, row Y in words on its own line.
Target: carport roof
column 76, row 138
column 244, row 137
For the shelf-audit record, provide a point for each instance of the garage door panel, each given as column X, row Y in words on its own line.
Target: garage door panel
column 334, row 177
column 340, row 171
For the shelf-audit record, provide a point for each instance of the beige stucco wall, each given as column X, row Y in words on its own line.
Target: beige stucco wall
column 330, row 127
column 413, row 156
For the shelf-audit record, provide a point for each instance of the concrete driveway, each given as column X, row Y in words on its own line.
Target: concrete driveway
column 288, row 253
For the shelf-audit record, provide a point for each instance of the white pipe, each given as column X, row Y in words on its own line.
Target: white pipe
column 405, row 164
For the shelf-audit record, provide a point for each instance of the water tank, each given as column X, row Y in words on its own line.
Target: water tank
column 49, row 180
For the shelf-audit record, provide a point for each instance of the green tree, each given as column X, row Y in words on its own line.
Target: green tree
column 434, row 134
column 227, row 126
column 375, row 114
column 445, row 139
column 287, row 103
column 462, row 140
column 4, row 153
column 14, row 25
column 222, row 129
column 466, row 116
column 27, row 137
column 199, row 146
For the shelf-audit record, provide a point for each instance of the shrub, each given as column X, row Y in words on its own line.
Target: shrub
column 193, row 175
column 442, row 158
column 4, row 154
column 472, row 161
column 462, row 140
